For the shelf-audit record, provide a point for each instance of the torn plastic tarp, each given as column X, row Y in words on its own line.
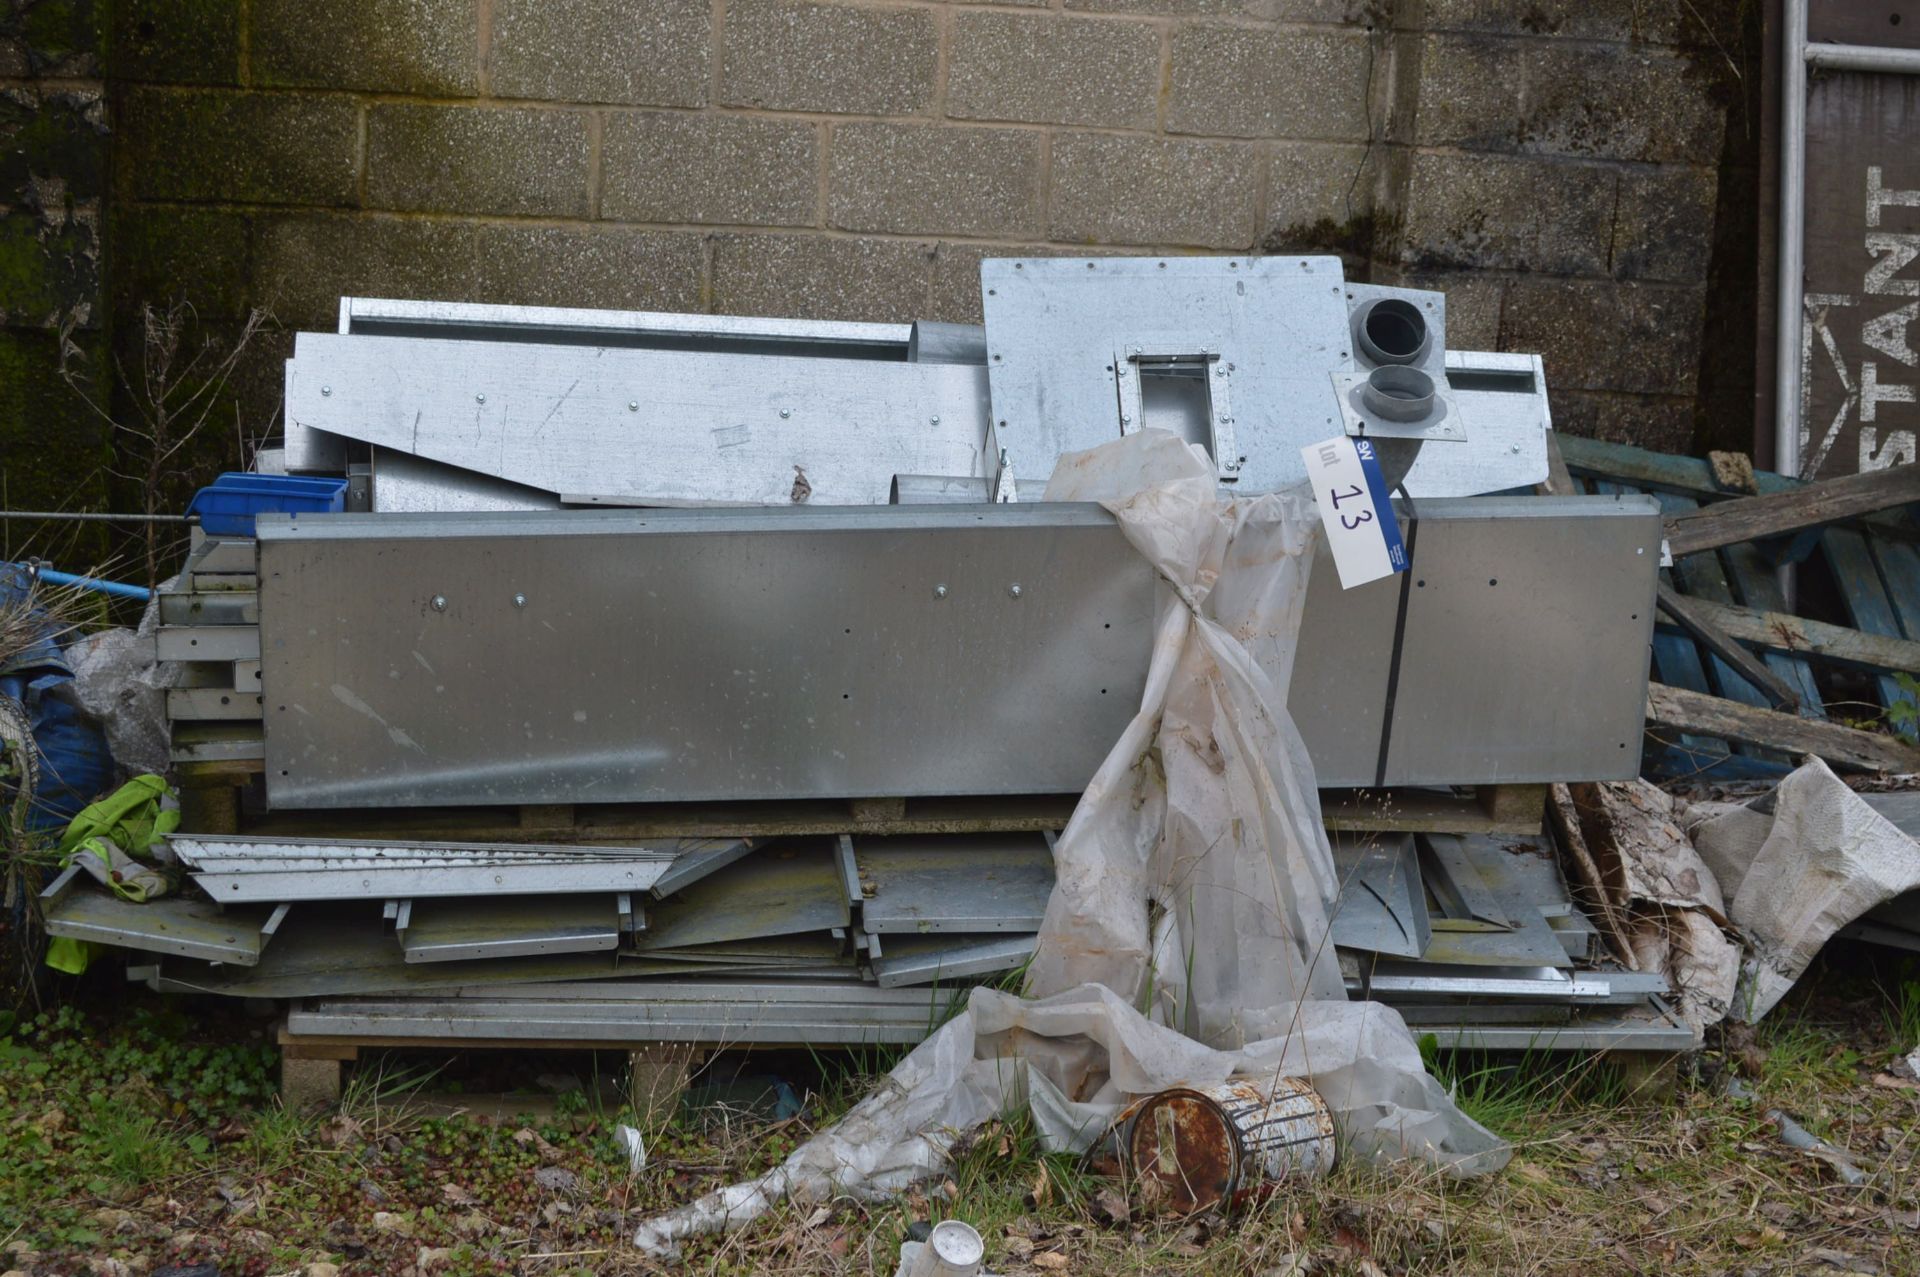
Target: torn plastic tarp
column 1795, row 866
column 122, row 683
column 1194, row 880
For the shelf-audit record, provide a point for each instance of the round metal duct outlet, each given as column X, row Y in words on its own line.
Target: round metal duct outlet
column 1390, row 330
column 1397, row 393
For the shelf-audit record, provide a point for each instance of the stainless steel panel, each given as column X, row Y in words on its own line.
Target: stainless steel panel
column 509, row 927
column 217, row 742
column 784, row 890
column 1528, row 631
column 938, row 959
column 221, row 556
column 661, row 427
column 211, row 703
column 708, row 856
column 180, row 606
column 696, row 654
column 172, row 924
column 958, row 883
column 1383, row 907
column 844, row 1014
column 1647, row 1028
column 240, row 869
column 482, row 321
column 207, row 642
column 405, row 484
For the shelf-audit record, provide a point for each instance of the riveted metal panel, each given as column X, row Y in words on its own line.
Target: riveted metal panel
column 696, row 654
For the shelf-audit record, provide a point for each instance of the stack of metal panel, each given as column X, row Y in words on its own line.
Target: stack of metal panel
column 210, row 624
column 614, row 558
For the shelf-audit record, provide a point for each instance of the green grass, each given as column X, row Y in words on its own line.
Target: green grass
column 1903, row 1015
column 154, row 1138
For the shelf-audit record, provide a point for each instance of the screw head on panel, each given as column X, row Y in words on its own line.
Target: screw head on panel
column 519, row 600
column 633, row 405
column 1014, row 590
column 439, row 602
column 785, row 413
column 939, row 591
column 326, row 390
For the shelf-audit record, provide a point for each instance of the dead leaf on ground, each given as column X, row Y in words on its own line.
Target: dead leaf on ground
column 1050, row 1259
column 457, row 1196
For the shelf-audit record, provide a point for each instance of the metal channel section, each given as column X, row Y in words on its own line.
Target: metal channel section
column 507, row 927
column 178, row 925
column 402, row 656
column 610, row 656
column 662, row 427
column 245, row 870
column 954, row 883
column 818, row 1014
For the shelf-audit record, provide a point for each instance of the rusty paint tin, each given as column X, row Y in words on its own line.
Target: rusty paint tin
column 1192, row 1149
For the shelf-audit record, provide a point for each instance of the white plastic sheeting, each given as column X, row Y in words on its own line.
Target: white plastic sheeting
column 1795, row 866
column 1194, row 880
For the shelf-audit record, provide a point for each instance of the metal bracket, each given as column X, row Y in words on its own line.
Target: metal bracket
column 1006, row 489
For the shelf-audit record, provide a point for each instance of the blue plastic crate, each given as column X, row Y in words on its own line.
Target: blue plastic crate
column 227, row 506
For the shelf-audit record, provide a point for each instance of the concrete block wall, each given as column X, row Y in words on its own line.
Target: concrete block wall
column 1551, row 162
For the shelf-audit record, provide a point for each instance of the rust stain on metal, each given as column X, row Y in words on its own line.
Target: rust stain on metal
column 1195, row 1149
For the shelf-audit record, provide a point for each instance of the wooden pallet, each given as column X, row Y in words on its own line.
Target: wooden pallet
column 211, row 804
column 1874, row 561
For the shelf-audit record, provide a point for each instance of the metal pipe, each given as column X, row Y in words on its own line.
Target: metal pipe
column 1793, row 228
column 67, row 516
column 1863, row 57
column 116, row 588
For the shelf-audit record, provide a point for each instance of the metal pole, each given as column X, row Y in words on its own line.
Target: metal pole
column 1793, row 231
column 64, row 516
column 1863, row 57
column 115, row 588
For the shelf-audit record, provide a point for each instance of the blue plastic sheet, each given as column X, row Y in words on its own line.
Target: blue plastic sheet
column 75, row 764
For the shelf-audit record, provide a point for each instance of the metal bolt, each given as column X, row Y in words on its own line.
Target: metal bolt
column 439, row 602
column 936, row 421
column 326, row 390
column 1014, row 589
column 1125, row 420
column 785, row 413
column 481, row 398
column 519, row 600
column 633, row 405
column 1514, row 448
column 939, row 591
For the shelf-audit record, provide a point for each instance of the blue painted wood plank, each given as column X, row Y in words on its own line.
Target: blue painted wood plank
column 1899, row 563
column 1863, row 594
column 1758, row 588
column 1676, row 658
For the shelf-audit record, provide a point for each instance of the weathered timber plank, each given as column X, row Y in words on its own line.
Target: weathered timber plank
column 1693, row 618
column 1682, row 710
column 1772, row 514
column 1835, row 643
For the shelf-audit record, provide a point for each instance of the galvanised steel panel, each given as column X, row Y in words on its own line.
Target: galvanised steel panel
column 622, row 656
column 774, row 654
column 662, row 427
column 1277, row 327
column 1528, row 629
